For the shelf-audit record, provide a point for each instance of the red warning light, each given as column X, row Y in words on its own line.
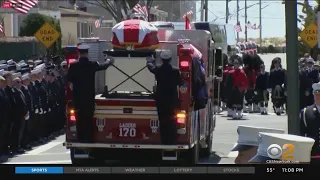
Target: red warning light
column 6, row 5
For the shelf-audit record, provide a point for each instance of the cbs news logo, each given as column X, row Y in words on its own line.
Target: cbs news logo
column 281, row 154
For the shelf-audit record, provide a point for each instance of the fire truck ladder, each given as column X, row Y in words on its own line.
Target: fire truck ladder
column 128, row 78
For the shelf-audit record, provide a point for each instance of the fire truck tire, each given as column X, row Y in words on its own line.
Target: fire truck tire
column 206, row 152
column 194, row 153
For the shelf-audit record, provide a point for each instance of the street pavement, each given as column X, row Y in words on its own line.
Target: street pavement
column 225, row 136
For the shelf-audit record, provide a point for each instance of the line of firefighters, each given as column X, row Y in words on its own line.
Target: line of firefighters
column 247, row 86
column 32, row 103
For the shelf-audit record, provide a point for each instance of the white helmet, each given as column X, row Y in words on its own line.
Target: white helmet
column 138, row 16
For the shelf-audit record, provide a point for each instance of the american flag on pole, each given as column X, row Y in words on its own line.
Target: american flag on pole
column 141, row 9
column 237, row 27
column 23, row 6
column 249, row 26
column 98, row 23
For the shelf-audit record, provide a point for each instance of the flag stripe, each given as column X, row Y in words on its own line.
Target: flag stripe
column 26, row 5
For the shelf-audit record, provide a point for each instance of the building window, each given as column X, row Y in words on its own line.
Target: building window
column 78, row 29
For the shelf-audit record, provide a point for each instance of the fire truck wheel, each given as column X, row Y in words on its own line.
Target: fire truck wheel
column 80, row 161
column 206, row 152
column 193, row 154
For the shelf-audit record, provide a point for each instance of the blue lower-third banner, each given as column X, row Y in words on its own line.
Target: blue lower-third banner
column 39, row 170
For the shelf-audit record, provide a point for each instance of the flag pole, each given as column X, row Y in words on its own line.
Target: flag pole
column 260, row 21
column 246, row 21
column 238, row 19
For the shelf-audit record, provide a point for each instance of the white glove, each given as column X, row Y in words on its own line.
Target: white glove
column 40, row 111
column 26, row 117
column 269, row 90
column 49, row 110
column 36, row 111
column 44, row 112
column 150, row 59
column 282, row 85
column 255, row 92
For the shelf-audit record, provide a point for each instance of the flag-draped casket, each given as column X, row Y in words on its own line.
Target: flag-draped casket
column 135, row 33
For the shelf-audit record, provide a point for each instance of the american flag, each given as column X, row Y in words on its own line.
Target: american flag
column 23, row 6
column 237, row 27
column 189, row 13
column 255, row 27
column 1, row 27
column 249, row 26
column 143, row 10
column 98, row 23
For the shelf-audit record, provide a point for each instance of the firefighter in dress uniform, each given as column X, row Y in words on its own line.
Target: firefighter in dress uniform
column 276, row 85
column 251, row 74
column 247, row 144
column 308, row 76
column 61, row 81
column 310, row 123
column 34, row 115
column 268, row 141
column 12, row 105
column 20, row 115
column 42, row 103
column 226, row 90
column 257, row 63
column 166, row 95
column 51, row 102
column 81, row 76
column 261, row 91
column 238, row 82
column 4, row 106
column 25, row 80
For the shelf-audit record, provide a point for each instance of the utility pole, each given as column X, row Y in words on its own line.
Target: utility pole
column 238, row 19
column 246, row 21
column 227, row 11
column 206, row 10
column 260, row 22
column 293, row 99
column 202, row 9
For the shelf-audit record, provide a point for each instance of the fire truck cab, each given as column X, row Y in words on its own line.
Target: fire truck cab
column 125, row 119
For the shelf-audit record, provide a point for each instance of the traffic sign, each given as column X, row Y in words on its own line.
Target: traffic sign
column 310, row 35
column 47, row 35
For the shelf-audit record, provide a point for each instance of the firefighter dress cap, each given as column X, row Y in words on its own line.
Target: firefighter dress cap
column 83, row 48
column 16, row 76
column 37, row 62
column 310, row 60
column 25, row 77
column 166, row 54
column 248, row 136
column 21, row 62
column 3, row 66
column 316, row 87
column 64, row 63
column 271, row 146
column 3, row 61
column 35, row 71
column 40, row 67
column 10, row 62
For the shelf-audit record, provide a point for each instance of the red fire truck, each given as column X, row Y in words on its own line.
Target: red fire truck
column 125, row 118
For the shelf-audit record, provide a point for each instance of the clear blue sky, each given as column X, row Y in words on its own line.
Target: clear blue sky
column 273, row 16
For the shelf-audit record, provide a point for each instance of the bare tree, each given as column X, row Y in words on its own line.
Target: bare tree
column 119, row 9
